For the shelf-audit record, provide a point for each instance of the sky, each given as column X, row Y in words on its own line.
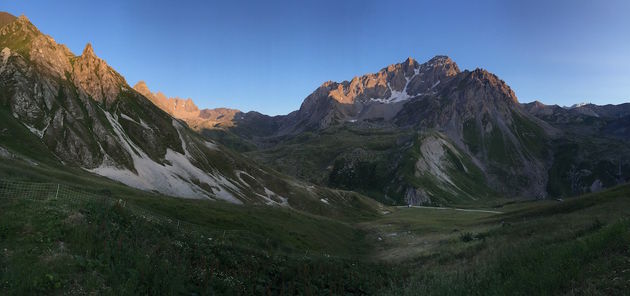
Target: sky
column 269, row 55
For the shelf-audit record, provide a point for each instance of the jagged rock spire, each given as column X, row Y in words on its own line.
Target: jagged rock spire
column 88, row 50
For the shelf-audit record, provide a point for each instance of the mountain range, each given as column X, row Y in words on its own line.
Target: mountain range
column 432, row 134
column 81, row 113
column 411, row 133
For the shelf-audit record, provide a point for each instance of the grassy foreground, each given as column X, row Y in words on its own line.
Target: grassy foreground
column 577, row 247
column 56, row 247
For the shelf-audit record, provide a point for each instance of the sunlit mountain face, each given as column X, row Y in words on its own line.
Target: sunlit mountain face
column 423, row 176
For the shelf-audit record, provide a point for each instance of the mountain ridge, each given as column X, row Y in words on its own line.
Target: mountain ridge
column 472, row 114
column 84, row 115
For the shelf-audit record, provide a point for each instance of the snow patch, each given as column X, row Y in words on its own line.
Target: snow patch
column 141, row 123
column 4, row 153
column 270, row 201
column 211, row 145
column 398, row 96
column 578, row 105
column 435, row 84
column 39, row 133
column 270, row 197
column 179, row 178
column 324, row 200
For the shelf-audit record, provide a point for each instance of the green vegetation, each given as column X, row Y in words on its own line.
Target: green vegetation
column 531, row 135
column 343, row 157
column 579, row 246
column 469, row 180
column 83, row 246
column 544, row 247
column 472, row 136
column 500, row 150
column 581, row 161
column 54, row 247
column 228, row 139
column 16, row 137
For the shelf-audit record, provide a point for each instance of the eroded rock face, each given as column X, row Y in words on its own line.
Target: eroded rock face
column 93, row 76
column 476, row 115
column 372, row 96
column 177, row 107
column 185, row 109
column 416, row 197
column 88, row 117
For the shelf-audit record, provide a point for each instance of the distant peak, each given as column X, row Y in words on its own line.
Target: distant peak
column 441, row 58
column 23, row 18
column 578, row 105
column 88, row 50
column 410, row 61
column 141, row 83
column 445, row 63
column 142, row 88
column 538, row 103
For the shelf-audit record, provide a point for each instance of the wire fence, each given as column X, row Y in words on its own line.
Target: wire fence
column 76, row 197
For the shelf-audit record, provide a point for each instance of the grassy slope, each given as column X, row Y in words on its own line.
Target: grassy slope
column 314, row 156
column 57, row 247
column 542, row 248
column 471, row 183
column 550, row 247
column 580, row 246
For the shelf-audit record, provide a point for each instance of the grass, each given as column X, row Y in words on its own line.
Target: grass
column 319, row 157
column 579, row 246
column 531, row 135
column 53, row 247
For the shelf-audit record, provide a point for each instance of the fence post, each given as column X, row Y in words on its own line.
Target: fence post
column 57, row 193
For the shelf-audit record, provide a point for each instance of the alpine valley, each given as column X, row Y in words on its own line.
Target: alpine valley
column 421, row 178
column 427, row 133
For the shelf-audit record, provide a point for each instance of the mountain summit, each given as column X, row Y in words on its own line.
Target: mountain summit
column 77, row 111
column 377, row 95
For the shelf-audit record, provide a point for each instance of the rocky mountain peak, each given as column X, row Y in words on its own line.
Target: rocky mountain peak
column 408, row 67
column 481, row 78
column 88, row 51
column 20, row 28
column 177, row 107
column 444, row 64
column 142, row 88
column 96, row 78
column 23, row 18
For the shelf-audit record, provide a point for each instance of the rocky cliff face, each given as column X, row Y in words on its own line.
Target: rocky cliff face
column 379, row 95
column 92, row 75
column 85, row 114
column 593, row 148
column 177, row 107
column 585, row 119
column 471, row 139
column 459, row 135
column 185, row 109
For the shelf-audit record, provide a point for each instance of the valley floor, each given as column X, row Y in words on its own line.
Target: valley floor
column 117, row 246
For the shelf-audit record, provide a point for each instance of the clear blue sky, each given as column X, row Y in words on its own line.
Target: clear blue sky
column 269, row 55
